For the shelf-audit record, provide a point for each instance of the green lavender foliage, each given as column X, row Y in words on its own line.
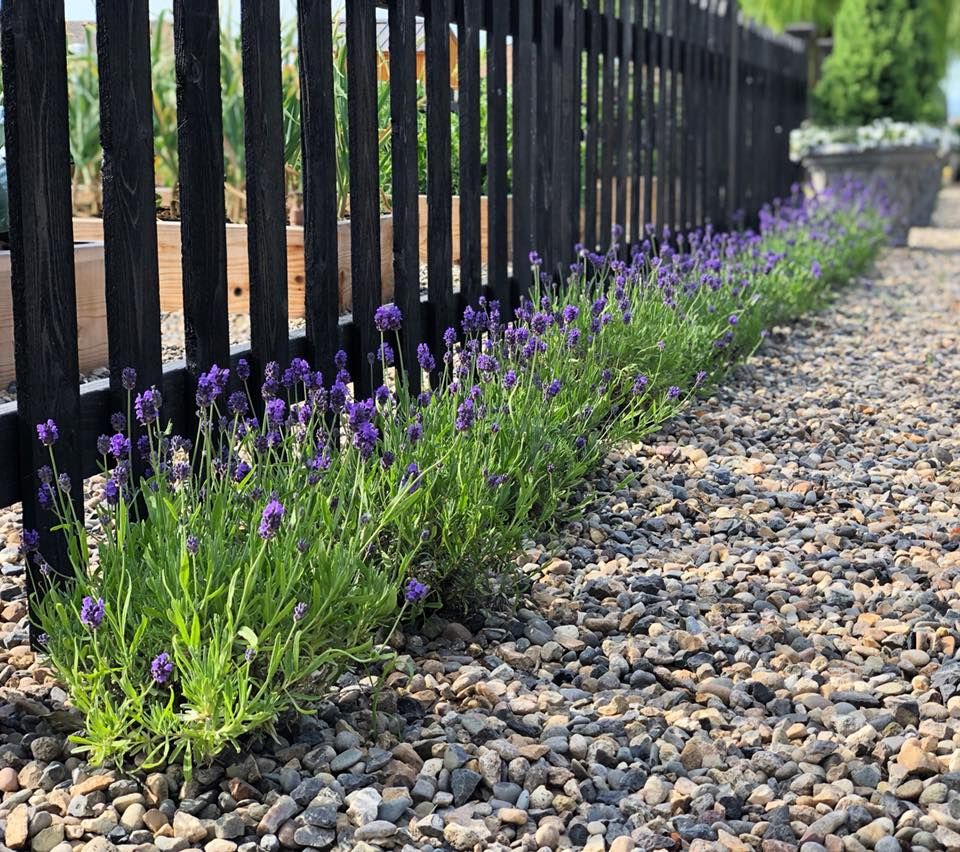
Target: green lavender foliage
column 257, row 614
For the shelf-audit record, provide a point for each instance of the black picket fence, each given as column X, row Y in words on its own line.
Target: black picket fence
column 623, row 112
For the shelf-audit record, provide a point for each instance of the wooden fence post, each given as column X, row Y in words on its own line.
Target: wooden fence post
column 266, row 194
column 733, row 109
column 42, row 271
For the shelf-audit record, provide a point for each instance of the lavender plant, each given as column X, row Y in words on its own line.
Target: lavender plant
column 281, row 543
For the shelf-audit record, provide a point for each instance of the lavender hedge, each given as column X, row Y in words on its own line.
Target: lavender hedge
column 283, row 541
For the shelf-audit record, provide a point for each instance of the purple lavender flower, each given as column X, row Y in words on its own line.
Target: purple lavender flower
column 661, row 345
column 552, row 389
column 64, row 483
column 249, row 655
column 303, row 545
column 243, row 369
column 276, row 410
column 570, row 314
column 29, row 541
column 535, row 259
column 161, row 668
column 365, row 439
column 193, row 544
column 48, row 433
column 92, row 612
column 700, row 377
column 270, row 519
column 385, row 354
column 815, row 270
column 43, row 640
column 210, row 385
column 237, row 404
column 103, row 445
column 240, row 471
column 466, row 415
column 639, row 384
column 128, row 378
column 147, row 406
column 415, row 591
column 382, row 394
column 45, row 496
column 733, row 319
column 387, row 459
column 299, row 612
column 414, row 432
column 509, row 379
column 425, row 358
column 388, row 317
column 673, row 392
column 45, row 474
column 118, row 422
column 580, row 442
column 412, row 476
column 111, row 491
column 450, row 337
column 119, row 446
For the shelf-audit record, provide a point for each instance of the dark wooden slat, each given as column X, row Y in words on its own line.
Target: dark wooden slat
column 733, row 109
column 364, row 179
column 625, row 53
column 404, row 150
column 266, row 193
column 568, row 132
column 196, row 26
column 524, row 129
column 595, row 34
column 608, row 134
column 439, row 236
column 636, row 126
column 468, row 77
column 545, row 148
column 129, row 207
column 318, row 148
column 41, row 258
column 576, row 61
column 673, row 153
column 649, row 110
column 663, row 126
column 498, row 16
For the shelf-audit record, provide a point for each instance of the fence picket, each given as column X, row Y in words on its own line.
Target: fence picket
column 364, row 183
column 524, row 130
column 266, row 196
column 129, row 212
column 468, row 105
column 439, row 180
column 42, row 269
column 404, row 153
column 497, row 224
column 196, row 38
column 319, row 153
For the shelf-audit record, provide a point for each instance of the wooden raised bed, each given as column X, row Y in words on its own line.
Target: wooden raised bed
column 91, row 310
column 238, row 273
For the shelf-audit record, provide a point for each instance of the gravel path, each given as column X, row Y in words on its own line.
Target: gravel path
column 748, row 642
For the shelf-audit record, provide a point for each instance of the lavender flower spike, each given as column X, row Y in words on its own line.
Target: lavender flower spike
column 388, row 317
column 161, row 668
column 415, row 591
column 92, row 612
column 48, row 433
column 270, row 519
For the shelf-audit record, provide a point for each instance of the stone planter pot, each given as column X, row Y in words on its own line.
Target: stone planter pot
column 910, row 176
